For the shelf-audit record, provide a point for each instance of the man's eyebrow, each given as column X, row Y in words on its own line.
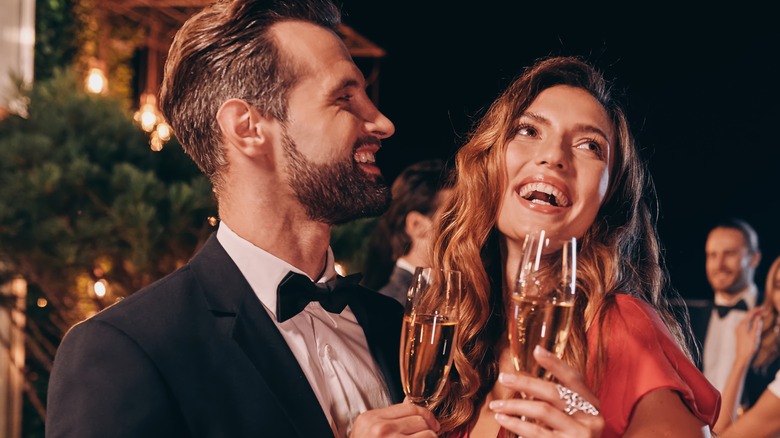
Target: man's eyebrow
column 346, row 83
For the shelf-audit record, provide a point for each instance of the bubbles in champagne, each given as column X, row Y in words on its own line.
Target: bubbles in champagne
column 537, row 322
column 426, row 355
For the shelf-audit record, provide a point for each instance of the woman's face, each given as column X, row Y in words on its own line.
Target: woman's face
column 557, row 165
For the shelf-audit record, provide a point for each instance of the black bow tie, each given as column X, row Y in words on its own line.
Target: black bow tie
column 724, row 310
column 296, row 291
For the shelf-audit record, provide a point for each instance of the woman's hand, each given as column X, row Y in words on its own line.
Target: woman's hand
column 566, row 409
column 748, row 334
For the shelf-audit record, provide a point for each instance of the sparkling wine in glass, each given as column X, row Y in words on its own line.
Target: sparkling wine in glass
column 542, row 300
column 429, row 332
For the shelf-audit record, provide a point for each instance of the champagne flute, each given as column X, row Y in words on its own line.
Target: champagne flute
column 428, row 334
column 542, row 300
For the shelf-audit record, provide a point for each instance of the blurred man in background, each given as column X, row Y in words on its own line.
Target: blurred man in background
column 732, row 256
column 402, row 238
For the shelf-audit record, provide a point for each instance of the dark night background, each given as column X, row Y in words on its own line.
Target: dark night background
column 701, row 90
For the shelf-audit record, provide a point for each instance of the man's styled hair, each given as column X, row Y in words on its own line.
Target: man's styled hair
column 748, row 233
column 227, row 52
column 415, row 189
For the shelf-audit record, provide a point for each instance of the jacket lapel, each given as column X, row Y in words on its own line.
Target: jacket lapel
column 240, row 315
column 266, row 348
column 383, row 334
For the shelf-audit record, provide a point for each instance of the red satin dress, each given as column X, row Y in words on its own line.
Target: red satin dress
column 642, row 357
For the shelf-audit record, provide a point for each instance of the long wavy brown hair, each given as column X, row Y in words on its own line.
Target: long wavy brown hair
column 769, row 348
column 620, row 252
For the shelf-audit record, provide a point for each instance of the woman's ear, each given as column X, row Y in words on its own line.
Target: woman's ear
column 241, row 127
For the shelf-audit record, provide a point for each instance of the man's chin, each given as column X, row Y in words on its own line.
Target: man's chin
column 365, row 213
column 729, row 289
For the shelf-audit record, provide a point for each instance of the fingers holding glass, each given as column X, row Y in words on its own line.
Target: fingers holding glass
column 563, row 373
column 575, row 402
column 550, row 409
column 542, row 301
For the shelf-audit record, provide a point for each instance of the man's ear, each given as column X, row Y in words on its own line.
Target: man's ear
column 755, row 260
column 417, row 225
column 242, row 127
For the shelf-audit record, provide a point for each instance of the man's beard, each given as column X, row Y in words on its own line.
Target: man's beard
column 738, row 283
column 335, row 193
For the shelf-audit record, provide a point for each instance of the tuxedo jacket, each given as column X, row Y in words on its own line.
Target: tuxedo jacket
column 699, row 313
column 195, row 354
column 756, row 381
column 398, row 285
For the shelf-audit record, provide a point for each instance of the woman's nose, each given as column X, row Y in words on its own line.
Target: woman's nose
column 554, row 156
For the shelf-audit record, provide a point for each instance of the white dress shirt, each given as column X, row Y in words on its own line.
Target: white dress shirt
column 774, row 386
column 331, row 349
column 721, row 342
column 405, row 265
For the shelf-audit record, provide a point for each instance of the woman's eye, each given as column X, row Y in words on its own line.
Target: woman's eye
column 526, row 131
column 592, row 145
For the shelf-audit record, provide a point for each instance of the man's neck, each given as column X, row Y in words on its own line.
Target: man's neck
column 418, row 255
column 303, row 244
column 749, row 293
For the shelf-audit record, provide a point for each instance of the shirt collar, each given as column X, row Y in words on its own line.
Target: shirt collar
column 405, row 265
column 263, row 270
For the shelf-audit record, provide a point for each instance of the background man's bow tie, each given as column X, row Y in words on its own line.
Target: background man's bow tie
column 724, row 310
column 296, row 291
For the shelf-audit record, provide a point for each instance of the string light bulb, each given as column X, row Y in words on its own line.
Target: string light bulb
column 151, row 121
column 147, row 113
column 163, row 131
column 96, row 82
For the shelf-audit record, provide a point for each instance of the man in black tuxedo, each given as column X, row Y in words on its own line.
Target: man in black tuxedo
column 732, row 256
column 264, row 97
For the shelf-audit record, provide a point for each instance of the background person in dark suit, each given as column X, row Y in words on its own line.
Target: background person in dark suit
column 732, row 255
column 265, row 98
column 401, row 240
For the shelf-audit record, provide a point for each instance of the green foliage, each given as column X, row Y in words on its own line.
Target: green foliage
column 349, row 242
column 82, row 198
column 79, row 33
column 57, row 36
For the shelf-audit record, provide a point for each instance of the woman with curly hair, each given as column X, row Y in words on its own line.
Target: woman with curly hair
column 554, row 152
column 757, row 335
column 766, row 362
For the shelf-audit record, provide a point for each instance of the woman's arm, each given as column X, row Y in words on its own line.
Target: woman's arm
column 748, row 335
column 663, row 413
column 760, row 421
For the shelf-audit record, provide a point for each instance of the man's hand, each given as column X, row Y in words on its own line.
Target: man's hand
column 403, row 419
